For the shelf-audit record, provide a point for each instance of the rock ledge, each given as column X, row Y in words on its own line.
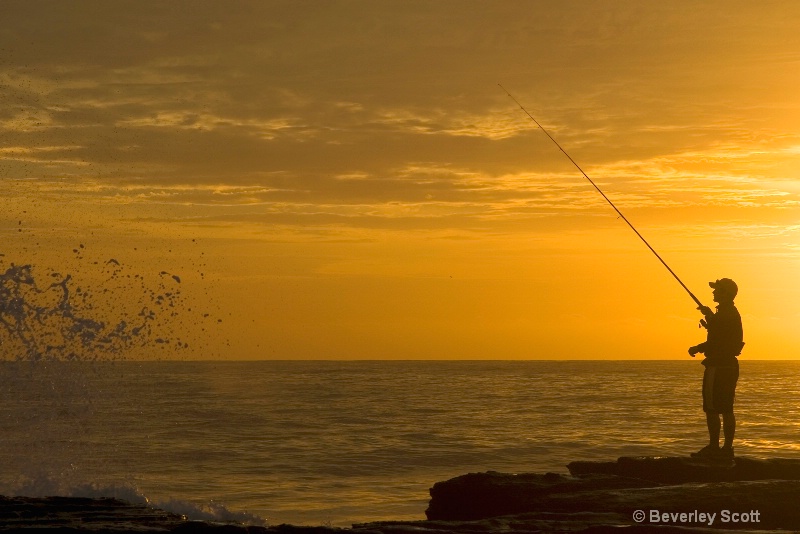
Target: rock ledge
column 631, row 495
column 760, row 494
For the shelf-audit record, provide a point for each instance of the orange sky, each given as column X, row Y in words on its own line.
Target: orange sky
column 352, row 183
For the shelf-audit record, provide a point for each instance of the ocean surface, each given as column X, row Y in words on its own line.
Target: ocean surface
column 322, row 442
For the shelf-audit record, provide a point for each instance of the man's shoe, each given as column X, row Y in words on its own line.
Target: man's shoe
column 726, row 453
column 709, row 451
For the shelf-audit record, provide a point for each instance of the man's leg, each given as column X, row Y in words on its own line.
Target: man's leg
column 712, row 420
column 712, row 449
column 727, row 393
column 729, row 428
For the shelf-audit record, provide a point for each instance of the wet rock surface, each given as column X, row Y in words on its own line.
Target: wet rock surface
column 631, row 495
column 676, row 470
column 757, row 494
column 75, row 513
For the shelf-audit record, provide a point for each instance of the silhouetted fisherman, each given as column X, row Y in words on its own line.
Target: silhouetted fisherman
column 723, row 344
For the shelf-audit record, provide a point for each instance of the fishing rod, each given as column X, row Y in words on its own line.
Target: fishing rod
column 695, row 299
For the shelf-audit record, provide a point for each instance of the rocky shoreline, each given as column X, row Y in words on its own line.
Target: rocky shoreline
column 631, row 495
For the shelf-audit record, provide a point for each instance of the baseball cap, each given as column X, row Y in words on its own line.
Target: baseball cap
column 726, row 285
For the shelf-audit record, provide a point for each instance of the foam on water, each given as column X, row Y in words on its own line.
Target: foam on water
column 211, row 511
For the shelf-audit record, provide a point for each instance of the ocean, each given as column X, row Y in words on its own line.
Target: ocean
column 338, row 442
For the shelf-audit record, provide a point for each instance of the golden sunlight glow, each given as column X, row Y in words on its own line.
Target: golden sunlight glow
column 351, row 183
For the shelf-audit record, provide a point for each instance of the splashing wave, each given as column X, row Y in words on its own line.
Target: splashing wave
column 59, row 320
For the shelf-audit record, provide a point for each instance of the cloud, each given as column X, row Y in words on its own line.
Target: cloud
column 335, row 114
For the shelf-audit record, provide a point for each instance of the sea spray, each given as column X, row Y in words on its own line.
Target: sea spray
column 56, row 332
column 58, row 320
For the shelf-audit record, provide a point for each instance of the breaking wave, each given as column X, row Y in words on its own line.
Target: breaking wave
column 210, row 511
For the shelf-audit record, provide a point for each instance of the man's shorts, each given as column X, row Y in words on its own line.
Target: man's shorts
column 719, row 388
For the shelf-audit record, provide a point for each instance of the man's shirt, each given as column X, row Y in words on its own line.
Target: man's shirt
column 724, row 341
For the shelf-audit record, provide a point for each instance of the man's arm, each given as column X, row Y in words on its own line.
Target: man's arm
column 701, row 348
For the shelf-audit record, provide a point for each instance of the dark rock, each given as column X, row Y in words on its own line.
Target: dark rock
column 672, row 470
column 522, row 523
column 481, row 495
column 201, row 527
column 774, row 500
column 77, row 514
column 667, row 485
column 72, row 513
column 292, row 529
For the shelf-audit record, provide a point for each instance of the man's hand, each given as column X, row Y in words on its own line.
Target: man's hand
column 705, row 310
column 693, row 350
